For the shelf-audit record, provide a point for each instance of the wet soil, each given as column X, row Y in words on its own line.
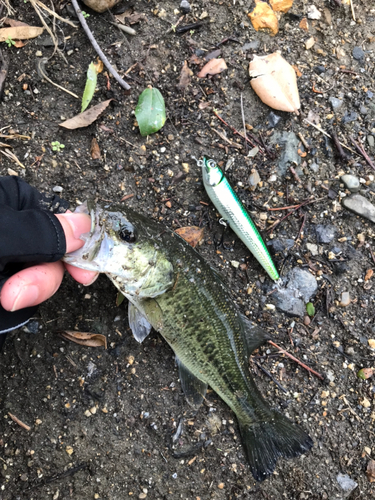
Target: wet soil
column 112, row 424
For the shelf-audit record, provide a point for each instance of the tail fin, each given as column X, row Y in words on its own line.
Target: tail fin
column 266, row 441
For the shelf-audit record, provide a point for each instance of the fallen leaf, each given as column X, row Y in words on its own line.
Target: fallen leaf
column 304, row 24
column 86, row 118
column 95, row 150
column 211, row 55
column 18, row 44
column 371, row 343
column 20, row 33
column 365, row 373
column 85, row 338
column 14, row 22
column 92, row 76
column 119, row 299
column 274, row 81
column 296, row 69
column 150, row 111
column 370, row 471
column 194, row 59
column 281, row 5
column 213, row 67
column 264, row 18
column 191, row 234
column 185, row 75
column 309, row 43
column 369, row 274
column 203, row 105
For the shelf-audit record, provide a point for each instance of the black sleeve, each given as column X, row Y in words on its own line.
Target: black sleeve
column 29, row 232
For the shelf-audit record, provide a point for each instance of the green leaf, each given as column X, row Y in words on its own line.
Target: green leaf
column 119, row 299
column 92, row 76
column 310, row 309
column 150, row 111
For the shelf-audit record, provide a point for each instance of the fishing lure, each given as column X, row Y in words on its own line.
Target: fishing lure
column 234, row 213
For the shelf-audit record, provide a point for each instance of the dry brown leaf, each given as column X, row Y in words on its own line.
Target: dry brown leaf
column 14, row 22
column 213, row 67
column 20, row 33
column 86, row 118
column 19, row 44
column 369, row 274
column 85, row 338
column 185, row 75
column 191, row 234
column 281, row 5
column 370, row 471
column 304, row 24
column 264, row 18
column 275, row 82
column 95, row 150
column 194, row 59
column 203, row 105
column 309, row 43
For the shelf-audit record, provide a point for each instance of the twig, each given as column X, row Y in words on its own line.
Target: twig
column 19, row 422
column 294, row 209
column 3, row 73
column 42, row 73
column 284, row 208
column 295, row 175
column 362, row 152
column 222, row 136
column 304, row 142
column 302, row 226
column 349, row 71
column 336, row 142
column 296, row 360
column 94, row 43
column 326, row 133
column 52, row 12
column 234, row 130
column 270, row 376
column 243, row 120
column 352, row 7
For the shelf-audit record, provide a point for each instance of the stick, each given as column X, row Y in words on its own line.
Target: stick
column 294, row 209
column 296, row 360
column 295, row 175
column 352, row 7
column 336, row 142
column 3, row 73
column 325, row 133
column 271, row 377
column 362, row 152
column 41, row 70
column 243, row 120
column 234, row 130
column 304, row 142
column 99, row 51
column 19, row 422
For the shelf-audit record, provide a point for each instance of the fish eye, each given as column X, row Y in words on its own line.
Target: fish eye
column 127, row 233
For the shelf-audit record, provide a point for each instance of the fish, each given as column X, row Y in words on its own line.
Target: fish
column 171, row 288
column 235, row 214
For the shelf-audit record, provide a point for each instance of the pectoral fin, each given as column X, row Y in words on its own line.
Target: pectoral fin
column 138, row 323
column 194, row 389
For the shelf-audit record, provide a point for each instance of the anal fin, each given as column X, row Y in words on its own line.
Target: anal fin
column 194, row 389
column 253, row 335
column 138, row 323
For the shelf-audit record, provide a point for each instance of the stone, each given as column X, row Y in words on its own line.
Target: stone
column 325, row 233
column 273, row 119
column 346, row 484
column 335, row 103
column 371, row 141
column 302, row 281
column 185, row 7
column 313, row 12
column 349, row 117
column 293, row 298
column 314, row 167
column 312, row 248
column 360, row 206
column 289, row 150
column 254, row 179
column 101, row 5
column 363, row 110
column 358, row 54
column 351, row 182
column 281, row 244
column 253, row 45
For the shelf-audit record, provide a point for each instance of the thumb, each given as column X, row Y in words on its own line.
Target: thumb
column 74, row 225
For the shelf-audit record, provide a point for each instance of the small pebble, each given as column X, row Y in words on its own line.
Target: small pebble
column 185, row 7
column 335, row 103
column 345, row 299
column 358, row 54
column 351, row 182
column 57, row 189
column 313, row 12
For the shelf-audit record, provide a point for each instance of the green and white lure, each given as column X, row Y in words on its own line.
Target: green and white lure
column 234, row 213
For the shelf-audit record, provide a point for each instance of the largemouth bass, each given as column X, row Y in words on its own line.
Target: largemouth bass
column 171, row 288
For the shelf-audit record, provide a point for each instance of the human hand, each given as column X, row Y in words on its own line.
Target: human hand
column 35, row 284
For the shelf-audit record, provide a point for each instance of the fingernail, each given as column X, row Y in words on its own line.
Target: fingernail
column 79, row 223
column 27, row 296
column 92, row 281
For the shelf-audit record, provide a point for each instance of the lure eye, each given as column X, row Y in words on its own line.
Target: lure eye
column 127, row 233
column 211, row 164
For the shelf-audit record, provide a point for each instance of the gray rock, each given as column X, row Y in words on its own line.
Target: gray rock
column 347, row 485
column 312, row 248
column 293, row 298
column 363, row 110
column 349, row 117
column 371, row 141
column 289, row 156
column 314, row 167
column 253, row 45
column 335, row 103
column 351, row 182
column 360, row 206
column 185, row 7
column 57, row 189
column 325, row 233
column 281, row 244
column 358, row 54
column 303, row 282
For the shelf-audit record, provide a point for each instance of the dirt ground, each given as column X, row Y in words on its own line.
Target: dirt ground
column 102, row 422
